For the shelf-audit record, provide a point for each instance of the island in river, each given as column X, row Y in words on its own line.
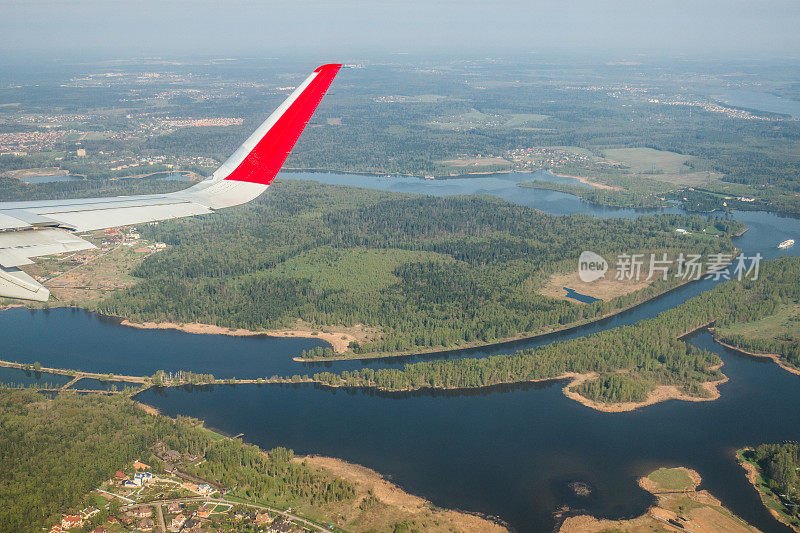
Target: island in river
column 679, row 505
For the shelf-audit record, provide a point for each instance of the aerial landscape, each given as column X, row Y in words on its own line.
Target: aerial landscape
column 375, row 272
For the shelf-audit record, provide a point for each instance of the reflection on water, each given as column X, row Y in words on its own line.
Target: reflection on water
column 18, row 377
column 513, row 451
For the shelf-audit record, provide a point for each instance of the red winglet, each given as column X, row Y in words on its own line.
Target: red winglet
column 266, row 158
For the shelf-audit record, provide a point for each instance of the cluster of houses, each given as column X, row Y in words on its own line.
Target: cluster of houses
column 77, row 520
column 139, row 478
column 182, row 514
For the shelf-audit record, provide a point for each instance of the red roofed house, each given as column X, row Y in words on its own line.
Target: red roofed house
column 120, row 475
column 70, row 521
column 177, row 522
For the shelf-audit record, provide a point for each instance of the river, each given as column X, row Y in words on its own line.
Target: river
column 508, row 451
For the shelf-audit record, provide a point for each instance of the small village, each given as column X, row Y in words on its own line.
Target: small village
column 141, row 497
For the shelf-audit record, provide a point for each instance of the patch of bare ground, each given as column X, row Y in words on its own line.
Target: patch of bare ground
column 340, row 340
column 476, row 162
column 395, row 503
column 589, row 181
column 661, row 393
column 150, row 410
column 30, row 172
column 604, row 289
column 677, row 510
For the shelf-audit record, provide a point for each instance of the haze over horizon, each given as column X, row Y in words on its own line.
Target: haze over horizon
column 625, row 28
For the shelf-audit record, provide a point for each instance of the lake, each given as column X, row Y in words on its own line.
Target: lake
column 508, row 451
column 47, row 178
column 759, row 100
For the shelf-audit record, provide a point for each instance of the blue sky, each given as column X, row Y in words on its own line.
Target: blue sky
column 731, row 28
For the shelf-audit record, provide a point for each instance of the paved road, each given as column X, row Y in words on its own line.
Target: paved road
column 160, row 515
column 296, row 518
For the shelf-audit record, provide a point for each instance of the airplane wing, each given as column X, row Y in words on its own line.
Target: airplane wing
column 37, row 228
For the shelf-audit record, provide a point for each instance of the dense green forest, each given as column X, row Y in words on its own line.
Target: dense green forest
column 779, row 482
column 787, row 346
column 12, row 189
column 615, row 388
column 648, row 352
column 780, row 464
column 423, row 271
column 55, row 451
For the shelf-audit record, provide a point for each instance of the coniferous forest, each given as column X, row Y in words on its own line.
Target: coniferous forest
column 55, row 451
column 630, row 360
column 422, row 272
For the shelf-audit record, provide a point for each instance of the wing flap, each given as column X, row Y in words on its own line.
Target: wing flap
column 8, row 222
column 92, row 219
column 17, row 247
column 14, row 283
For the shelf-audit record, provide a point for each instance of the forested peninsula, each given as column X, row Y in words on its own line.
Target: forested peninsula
column 413, row 273
column 626, row 364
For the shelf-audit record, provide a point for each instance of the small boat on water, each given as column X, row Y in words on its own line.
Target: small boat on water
column 787, row 243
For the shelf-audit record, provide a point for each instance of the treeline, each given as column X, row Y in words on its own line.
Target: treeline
column 649, row 351
column 54, row 452
column 272, row 477
column 12, row 189
column 780, row 464
column 615, row 388
column 788, row 346
column 612, row 198
column 422, row 271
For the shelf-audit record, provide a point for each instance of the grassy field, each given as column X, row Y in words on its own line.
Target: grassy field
column 648, row 160
column 773, row 328
column 661, row 165
column 521, row 120
column 604, row 289
column 677, row 498
column 326, row 265
column 477, row 163
column 671, row 479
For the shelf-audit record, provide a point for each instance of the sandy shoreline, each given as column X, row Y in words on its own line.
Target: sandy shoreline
column 334, row 339
column 391, row 494
column 661, row 393
column 777, row 358
column 706, row 514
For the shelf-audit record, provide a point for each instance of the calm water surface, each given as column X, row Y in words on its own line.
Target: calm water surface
column 507, row 451
column 512, row 451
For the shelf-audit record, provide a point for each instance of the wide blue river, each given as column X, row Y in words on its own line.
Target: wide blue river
column 508, row 451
